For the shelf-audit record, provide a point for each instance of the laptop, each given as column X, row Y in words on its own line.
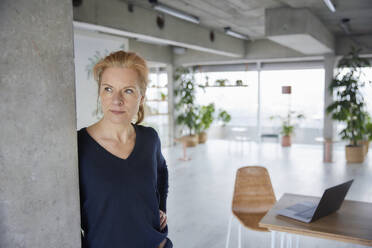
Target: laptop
column 329, row 203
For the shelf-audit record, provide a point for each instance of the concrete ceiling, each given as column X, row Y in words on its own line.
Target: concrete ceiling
column 248, row 16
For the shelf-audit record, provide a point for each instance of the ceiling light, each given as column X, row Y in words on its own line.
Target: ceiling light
column 330, row 5
column 174, row 12
column 228, row 31
column 345, row 25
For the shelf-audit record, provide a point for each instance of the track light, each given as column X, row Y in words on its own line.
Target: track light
column 228, row 31
column 330, row 5
column 345, row 25
column 174, row 12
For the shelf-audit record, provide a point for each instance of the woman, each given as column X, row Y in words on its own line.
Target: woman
column 123, row 175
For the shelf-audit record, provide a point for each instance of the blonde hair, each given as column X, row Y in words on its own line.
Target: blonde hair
column 125, row 60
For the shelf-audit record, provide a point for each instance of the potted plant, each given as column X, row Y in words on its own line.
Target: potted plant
column 288, row 126
column 348, row 106
column 368, row 134
column 239, row 82
column 185, row 98
column 221, row 82
column 163, row 96
column 205, row 119
column 223, row 117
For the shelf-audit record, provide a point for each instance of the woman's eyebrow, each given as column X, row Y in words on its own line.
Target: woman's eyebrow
column 106, row 84
column 126, row 87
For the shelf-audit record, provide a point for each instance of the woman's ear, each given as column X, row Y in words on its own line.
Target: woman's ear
column 142, row 101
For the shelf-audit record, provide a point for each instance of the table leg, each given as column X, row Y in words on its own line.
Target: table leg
column 282, row 236
column 289, row 240
column 297, row 241
column 272, row 239
column 184, row 158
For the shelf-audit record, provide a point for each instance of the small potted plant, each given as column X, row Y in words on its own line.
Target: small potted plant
column 205, row 119
column 163, row 96
column 239, row 82
column 288, row 126
column 223, row 117
column 349, row 105
column 221, row 82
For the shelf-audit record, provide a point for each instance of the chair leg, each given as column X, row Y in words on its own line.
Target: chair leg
column 240, row 236
column 229, row 232
column 273, row 239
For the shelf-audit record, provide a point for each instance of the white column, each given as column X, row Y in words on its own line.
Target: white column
column 328, row 125
column 172, row 126
column 259, row 101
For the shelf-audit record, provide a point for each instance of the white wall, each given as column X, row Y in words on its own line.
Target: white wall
column 89, row 47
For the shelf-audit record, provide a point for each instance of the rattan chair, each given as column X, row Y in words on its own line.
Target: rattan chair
column 253, row 198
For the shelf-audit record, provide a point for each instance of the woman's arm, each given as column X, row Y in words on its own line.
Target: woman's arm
column 162, row 183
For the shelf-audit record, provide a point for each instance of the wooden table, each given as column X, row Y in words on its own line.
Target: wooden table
column 352, row 223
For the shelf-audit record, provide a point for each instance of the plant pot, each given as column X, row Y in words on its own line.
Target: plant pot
column 286, row 141
column 354, row 154
column 202, row 137
column 191, row 140
column 366, row 146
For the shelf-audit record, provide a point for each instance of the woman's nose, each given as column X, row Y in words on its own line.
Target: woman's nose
column 118, row 99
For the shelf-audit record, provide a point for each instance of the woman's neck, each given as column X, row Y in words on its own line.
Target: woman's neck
column 118, row 132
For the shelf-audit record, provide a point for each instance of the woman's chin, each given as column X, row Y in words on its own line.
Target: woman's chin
column 118, row 119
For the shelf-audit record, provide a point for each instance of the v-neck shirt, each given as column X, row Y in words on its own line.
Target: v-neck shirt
column 120, row 198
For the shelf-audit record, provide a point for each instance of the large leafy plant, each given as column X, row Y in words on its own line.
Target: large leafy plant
column 368, row 130
column 349, row 106
column 205, row 117
column 185, row 99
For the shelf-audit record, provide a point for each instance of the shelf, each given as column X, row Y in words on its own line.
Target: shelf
column 156, row 87
column 158, row 114
column 226, row 86
column 156, row 100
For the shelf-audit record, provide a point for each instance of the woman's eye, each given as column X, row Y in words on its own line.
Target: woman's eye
column 108, row 89
column 129, row 91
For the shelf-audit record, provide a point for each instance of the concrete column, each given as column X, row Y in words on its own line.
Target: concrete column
column 329, row 65
column 39, row 200
column 171, row 110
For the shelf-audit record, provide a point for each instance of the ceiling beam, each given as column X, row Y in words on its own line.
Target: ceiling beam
column 141, row 23
column 298, row 29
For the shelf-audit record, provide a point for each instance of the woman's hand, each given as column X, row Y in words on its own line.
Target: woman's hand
column 163, row 220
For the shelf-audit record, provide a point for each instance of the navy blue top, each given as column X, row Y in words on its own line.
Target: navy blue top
column 120, row 198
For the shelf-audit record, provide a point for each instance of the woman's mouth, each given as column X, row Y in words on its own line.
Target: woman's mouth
column 117, row 112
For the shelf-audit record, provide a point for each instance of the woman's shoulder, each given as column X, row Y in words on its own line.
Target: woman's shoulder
column 147, row 132
column 81, row 132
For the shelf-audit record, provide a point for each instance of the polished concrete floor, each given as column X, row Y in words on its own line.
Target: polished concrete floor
column 200, row 194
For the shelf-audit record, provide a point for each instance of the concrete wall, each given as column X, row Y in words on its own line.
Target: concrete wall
column 39, row 200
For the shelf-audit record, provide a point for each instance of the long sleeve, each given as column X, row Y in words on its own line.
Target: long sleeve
column 162, row 183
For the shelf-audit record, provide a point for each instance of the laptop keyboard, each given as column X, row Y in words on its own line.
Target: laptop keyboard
column 299, row 208
column 303, row 211
column 308, row 213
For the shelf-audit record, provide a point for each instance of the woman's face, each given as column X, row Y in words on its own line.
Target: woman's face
column 120, row 94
